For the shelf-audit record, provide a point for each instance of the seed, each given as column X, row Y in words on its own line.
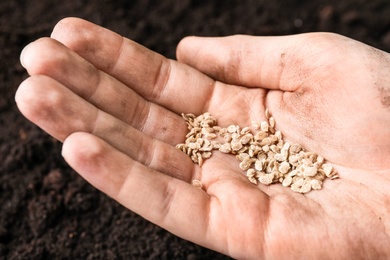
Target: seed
column 293, row 158
column 236, row 145
column 284, row 167
column 259, row 165
column 259, row 136
column 267, row 115
column 194, row 146
column 295, row 148
column 263, row 154
column 298, row 180
column 271, row 122
column 236, row 137
column 215, row 144
column 197, row 183
column 207, row 130
column 310, row 171
column 210, row 135
column 250, row 172
column 327, row 169
column 200, row 159
column 225, row 148
column 287, row 181
column 306, row 187
column 245, row 164
column 320, row 159
column 266, row 178
column 293, row 173
column 264, row 126
column 274, row 148
column 255, row 125
column 307, row 161
column 246, row 138
column 266, row 141
column 245, row 130
column 217, row 128
column 280, row 157
column 315, row 184
column 232, row 129
column 243, row 149
column 253, row 180
column 206, row 148
column 242, row 156
column 206, row 155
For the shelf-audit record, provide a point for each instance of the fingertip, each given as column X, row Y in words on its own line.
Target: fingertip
column 69, row 31
column 36, row 93
column 19, row 92
column 185, row 47
column 67, row 25
column 43, row 56
column 90, row 41
column 80, row 147
column 27, row 55
column 69, row 144
column 80, row 35
column 25, row 99
column 79, row 150
column 187, row 39
column 23, row 55
column 96, row 161
column 84, row 152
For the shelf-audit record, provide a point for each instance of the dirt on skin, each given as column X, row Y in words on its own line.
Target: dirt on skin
column 47, row 211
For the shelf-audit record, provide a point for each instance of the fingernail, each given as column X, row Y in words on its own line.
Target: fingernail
column 22, row 54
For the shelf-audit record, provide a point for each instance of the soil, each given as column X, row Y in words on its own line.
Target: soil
column 47, row 211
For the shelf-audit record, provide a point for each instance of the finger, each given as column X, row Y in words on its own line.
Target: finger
column 168, row 202
column 249, row 61
column 168, row 83
column 49, row 57
column 60, row 112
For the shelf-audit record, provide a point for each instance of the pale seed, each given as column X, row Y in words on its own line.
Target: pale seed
column 264, row 126
column 287, row 181
column 197, row 183
column 284, row 167
column 225, row 148
column 316, row 184
column 253, row 180
column 250, row 172
column 327, row 169
column 263, row 155
column 266, row 178
column 306, row 187
column 232, row 129
column 259, row 165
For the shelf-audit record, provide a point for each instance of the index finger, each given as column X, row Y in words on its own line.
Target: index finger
column 175, row 86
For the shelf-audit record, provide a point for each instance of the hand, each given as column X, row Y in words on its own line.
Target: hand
column 116, row 107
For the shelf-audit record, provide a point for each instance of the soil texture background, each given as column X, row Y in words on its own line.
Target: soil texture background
column 47, row 211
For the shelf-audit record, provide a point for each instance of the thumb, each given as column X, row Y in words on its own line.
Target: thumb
column 243, row 60
column 252, row 61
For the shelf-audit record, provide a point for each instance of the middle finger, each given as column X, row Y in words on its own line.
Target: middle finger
column 51, row 58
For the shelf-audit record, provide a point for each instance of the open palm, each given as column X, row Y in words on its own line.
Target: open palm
column 116, row 106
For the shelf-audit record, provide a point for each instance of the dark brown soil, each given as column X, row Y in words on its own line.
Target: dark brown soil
column 46, row 210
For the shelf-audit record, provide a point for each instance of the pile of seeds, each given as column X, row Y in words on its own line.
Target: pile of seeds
column 261, row 151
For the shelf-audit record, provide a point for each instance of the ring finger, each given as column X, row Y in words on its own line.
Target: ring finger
column 60, row 112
